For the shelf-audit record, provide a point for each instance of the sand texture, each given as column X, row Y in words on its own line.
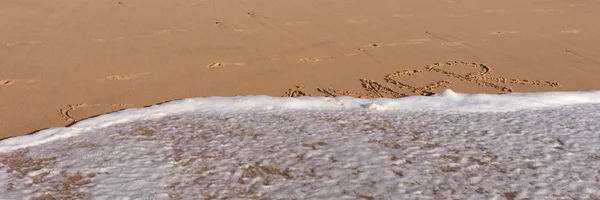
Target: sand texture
column 63, row 61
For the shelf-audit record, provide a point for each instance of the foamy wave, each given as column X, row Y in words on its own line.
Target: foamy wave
column 443, row 102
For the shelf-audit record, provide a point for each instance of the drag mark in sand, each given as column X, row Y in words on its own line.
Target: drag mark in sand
column 7, row 82
column 223, row 64
column 146, row 34
column 417, row 41
column 447, row 41
column 228, row 29
column 126, row 77
column 272, row 24
column 393, row 85
column 585, row 56
column 67, row 115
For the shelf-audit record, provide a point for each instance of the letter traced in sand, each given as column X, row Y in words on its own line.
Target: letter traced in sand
column 126, row 77
column 297, row 91
column 66, row 112
column 392, row 85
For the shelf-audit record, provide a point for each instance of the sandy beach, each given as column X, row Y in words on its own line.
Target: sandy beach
column 63, row 61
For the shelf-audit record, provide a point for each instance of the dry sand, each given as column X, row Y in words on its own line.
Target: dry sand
column 62, row 61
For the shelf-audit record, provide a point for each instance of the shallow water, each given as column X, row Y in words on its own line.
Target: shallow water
column 344, row 153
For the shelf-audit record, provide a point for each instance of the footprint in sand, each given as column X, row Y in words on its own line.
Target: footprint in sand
column 452, row 44
column 313, row 60
column 458, row 15
column 195, row 4
column 15, row 43
column 7, row 82
column 353, row 54
column 120, row 38
column 356, row 21
column 572, row 31
column 544, row 10
column 167, row 31
column 125, row 77
column 501, row 33
column 372, row 45
column 10, row 44
column 248, row 31
column 495, row 10
column 123, row 4
column 98, row 40
column 234, row 30
column 295, row 23
column 403, row 15
column 223, row 64
column 417, row 41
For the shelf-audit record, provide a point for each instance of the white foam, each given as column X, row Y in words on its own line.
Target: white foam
column 447, row 146
column 445, row 101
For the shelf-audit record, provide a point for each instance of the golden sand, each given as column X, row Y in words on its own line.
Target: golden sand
column 63, row 61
